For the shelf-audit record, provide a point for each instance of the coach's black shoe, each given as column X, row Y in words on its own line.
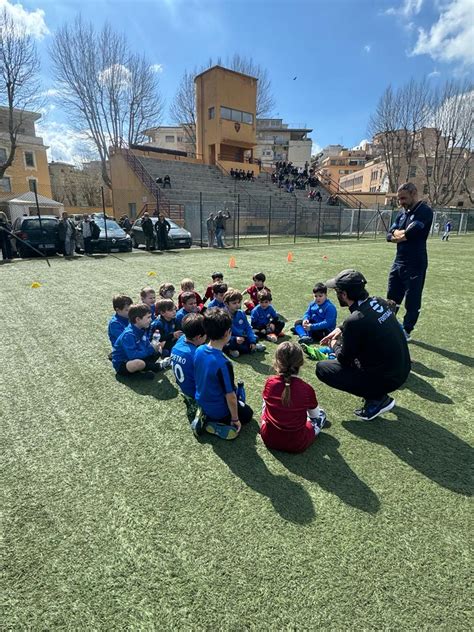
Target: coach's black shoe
column 373, row 408
column 305, row 340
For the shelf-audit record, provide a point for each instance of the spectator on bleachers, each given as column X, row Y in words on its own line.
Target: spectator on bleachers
column 166, row 182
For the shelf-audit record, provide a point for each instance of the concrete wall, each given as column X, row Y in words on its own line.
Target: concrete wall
column 126, row 188
column 299, row 152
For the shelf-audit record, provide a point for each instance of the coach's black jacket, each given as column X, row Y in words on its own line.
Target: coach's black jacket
column 416, row 223
column 373, row 340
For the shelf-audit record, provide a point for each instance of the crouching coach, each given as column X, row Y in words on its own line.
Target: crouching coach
column 372, row 357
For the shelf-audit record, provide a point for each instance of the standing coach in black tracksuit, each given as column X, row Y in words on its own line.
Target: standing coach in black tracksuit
column 407, row 275
column 372, row 357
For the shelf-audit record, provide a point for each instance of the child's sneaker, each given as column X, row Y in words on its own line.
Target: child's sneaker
column 323, row 421
column 223, row 431
column 165, row 363
column 198, row 423
column 305, row 340
column 272, row 337
column 234, row 353
column 260, row 347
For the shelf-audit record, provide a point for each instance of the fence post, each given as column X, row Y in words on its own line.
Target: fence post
column 200, row 214
column 358, row 223
column 319, row 220
column 377, row 220
column 238, row 220
column 233, row 228
column 340, row 220
column 269, row 217
column 296, row 219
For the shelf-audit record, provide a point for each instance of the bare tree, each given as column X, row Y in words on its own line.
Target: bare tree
column 183, row 107
column 19, row 83
column 109, row 93
column 446, row 146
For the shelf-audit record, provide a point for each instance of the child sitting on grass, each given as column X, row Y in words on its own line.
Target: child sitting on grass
column 165, row 324
column 258, row 285
column 214, row 375
column 182, row 360
column 133, row 352
column 148, row 297
column 264, row 319
column 166, row 290
column 187, row 285
column 218, row 291
column 188, row 301
column 319, row 319
column 291, row 416
column 119, row 320
column 243, row 339
column 217, row 277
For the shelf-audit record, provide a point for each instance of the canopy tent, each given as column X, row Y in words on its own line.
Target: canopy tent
column 18, row 205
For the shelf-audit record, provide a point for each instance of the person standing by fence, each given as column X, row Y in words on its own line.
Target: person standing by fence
column 162, row 228
column 211, row 230
column 408, row 272
column 148, row 231
column 5, row 243
column 67, row 235
column 220, row 228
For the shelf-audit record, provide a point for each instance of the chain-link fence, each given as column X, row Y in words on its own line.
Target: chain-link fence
column 256, row 221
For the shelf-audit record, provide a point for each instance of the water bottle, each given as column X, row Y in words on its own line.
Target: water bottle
column 240, row 392
column 156, row 336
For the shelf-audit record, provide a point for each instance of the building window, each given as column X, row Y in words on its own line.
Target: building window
column 226, row 113
column 211, row 112
column 425, row 189
column 31, row 183
column 5, row 184
column 29, row 159
column 247, row 118
column 132, row 209
column 412, row 171
column 3, row 155
column 179, row 139
column 169, row 139
column 236, row 115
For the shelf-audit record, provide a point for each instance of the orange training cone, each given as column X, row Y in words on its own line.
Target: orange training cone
column 232, row 263
column 290, row 257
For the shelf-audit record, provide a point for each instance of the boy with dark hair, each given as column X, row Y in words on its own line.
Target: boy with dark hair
column 264, row 319
column 319, row 319
column 217, row 277
column 166, row 325
column 215, row 389
column 119, row 320
column 258, row 284
column 188, row 300
column 148, row 297
column 133, row 352
column 218, row 290
column 243, row 339
column 182, row 360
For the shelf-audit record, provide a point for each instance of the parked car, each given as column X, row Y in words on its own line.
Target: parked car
column 177, row 237
column 117, row 238
column 43, row 237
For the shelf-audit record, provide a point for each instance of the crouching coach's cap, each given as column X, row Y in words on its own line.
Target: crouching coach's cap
column 347, row 279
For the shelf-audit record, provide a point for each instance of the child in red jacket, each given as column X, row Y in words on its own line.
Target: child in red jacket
column 291, row 416
column 258, row 285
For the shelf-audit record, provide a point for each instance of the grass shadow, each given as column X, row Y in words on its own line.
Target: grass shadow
column 160, row 388
column 424, row 389
column 421, row 369
column 255, row 361
column 451, row 355
column 289, row 499
column 323, row 464
column 429, row 448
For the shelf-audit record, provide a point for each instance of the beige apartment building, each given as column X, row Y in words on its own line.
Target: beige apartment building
column 276, row 141
column 346, row 162
column 31, row 162
column 167, row 137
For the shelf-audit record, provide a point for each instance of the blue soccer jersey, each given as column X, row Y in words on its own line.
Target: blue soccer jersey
column 260, row 318
column 214, row 377
column 182, row 360
column 116, row 326
column 216, row 303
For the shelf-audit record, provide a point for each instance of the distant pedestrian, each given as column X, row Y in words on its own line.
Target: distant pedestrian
column 86, row 228
column 5, row 242
column 211, row 230
column 162, row 228
column 447, row 229
column 67, row 235
column 220, row 228
column 148, row 231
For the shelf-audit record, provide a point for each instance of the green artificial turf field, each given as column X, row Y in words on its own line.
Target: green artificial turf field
column 116, row 518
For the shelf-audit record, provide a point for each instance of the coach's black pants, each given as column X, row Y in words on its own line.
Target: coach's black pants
column 407, row 283
column 356, row 381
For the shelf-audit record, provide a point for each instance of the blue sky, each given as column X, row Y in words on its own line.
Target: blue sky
column 343, row 52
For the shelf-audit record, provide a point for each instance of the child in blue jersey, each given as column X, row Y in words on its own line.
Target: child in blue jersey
column 148, row 297
column 264, row 319
column 218, row 291
column 319, row 319
column 182, row 359
column 165, row 324
column 215, row 389
column 119, row 320
column 133, row 352
column 188, row 300
column 243, row 339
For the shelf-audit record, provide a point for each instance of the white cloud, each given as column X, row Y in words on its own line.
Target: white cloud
column 158, row 68
column 316, row 149
column 362, row 144
column 434, row 73
column 51, row 93
column 406, row 9
column 367, row 48
column 451, row 38
column 32, row 21
column 65, row 144
column 117, row 74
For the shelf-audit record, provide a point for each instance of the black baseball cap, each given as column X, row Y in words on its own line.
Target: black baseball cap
column 347, row 279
